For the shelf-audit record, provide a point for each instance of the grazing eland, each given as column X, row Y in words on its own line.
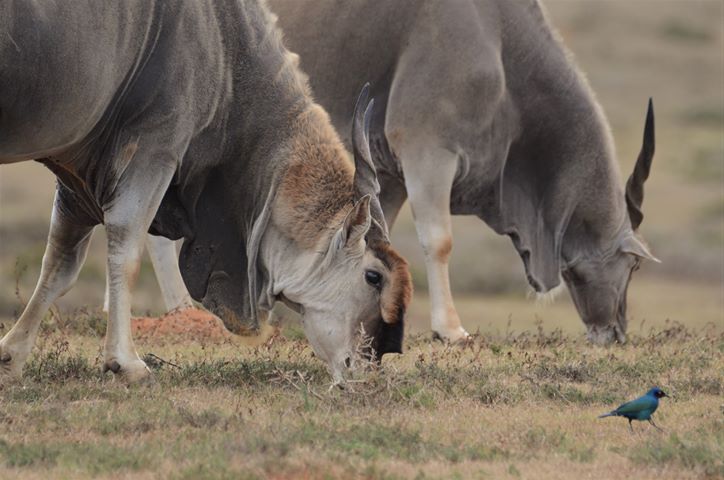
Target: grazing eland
column 481, row 111
column 190, row 120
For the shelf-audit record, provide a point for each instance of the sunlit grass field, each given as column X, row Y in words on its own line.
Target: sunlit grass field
column 510, row 405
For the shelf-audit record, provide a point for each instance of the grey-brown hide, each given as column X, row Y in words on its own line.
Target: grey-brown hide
column 486, row 86
column 124, row 101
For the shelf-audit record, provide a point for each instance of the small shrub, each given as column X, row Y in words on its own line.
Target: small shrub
column 679, row 31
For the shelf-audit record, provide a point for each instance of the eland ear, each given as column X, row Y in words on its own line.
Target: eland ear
column 634, row 246
column 357, row 222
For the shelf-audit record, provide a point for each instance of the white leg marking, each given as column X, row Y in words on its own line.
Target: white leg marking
column 165, row 263
column 429, row 174
column 105, row 295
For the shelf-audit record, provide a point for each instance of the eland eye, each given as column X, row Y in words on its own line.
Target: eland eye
column 373, row 278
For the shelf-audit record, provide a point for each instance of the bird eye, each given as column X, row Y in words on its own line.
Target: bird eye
column 373, row 278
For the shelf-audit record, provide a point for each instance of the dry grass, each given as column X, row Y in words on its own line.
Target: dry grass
column 506, row 406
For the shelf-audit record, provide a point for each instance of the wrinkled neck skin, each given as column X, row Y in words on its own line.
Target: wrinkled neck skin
column 289, row 268
column 560, row 195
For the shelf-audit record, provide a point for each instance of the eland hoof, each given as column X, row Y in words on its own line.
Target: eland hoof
column 135, row 372
column 455, row 336
column 11, row 366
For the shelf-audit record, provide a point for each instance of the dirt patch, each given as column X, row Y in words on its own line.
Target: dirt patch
column 189, row 323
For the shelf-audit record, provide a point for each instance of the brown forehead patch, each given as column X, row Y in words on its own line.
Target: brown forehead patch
column 397, row 292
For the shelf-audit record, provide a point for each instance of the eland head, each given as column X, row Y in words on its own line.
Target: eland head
column 348, row 279
column 598, row 283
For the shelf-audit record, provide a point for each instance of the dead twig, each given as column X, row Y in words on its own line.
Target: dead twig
column 287, row 377
column 155, row 359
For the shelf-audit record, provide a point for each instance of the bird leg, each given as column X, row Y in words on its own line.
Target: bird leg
column 630, row 425
column 655, row 426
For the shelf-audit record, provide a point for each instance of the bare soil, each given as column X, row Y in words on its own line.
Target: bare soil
column 187, row 324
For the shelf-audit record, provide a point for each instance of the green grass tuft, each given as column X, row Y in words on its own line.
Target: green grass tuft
column 703, row 451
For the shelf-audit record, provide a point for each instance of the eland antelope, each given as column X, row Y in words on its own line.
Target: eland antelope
column 191, row 120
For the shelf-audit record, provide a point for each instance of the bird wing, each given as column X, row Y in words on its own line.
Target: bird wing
column 636, row 406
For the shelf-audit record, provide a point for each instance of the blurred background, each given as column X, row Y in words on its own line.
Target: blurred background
column 630, row 51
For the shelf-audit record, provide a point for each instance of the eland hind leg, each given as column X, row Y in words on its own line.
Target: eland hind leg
column 164, row 259
column 64, row 255
column 165, row 263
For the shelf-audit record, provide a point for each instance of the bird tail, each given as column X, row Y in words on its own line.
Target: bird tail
column 609, row 414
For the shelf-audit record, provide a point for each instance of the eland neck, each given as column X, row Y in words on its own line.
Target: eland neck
column 314, row 195
column 564, row 139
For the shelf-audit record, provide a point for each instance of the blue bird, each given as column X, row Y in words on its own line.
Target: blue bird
column 640, row 409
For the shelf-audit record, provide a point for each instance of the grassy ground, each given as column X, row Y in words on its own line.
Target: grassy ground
column 652, row 303
column 505, row 406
